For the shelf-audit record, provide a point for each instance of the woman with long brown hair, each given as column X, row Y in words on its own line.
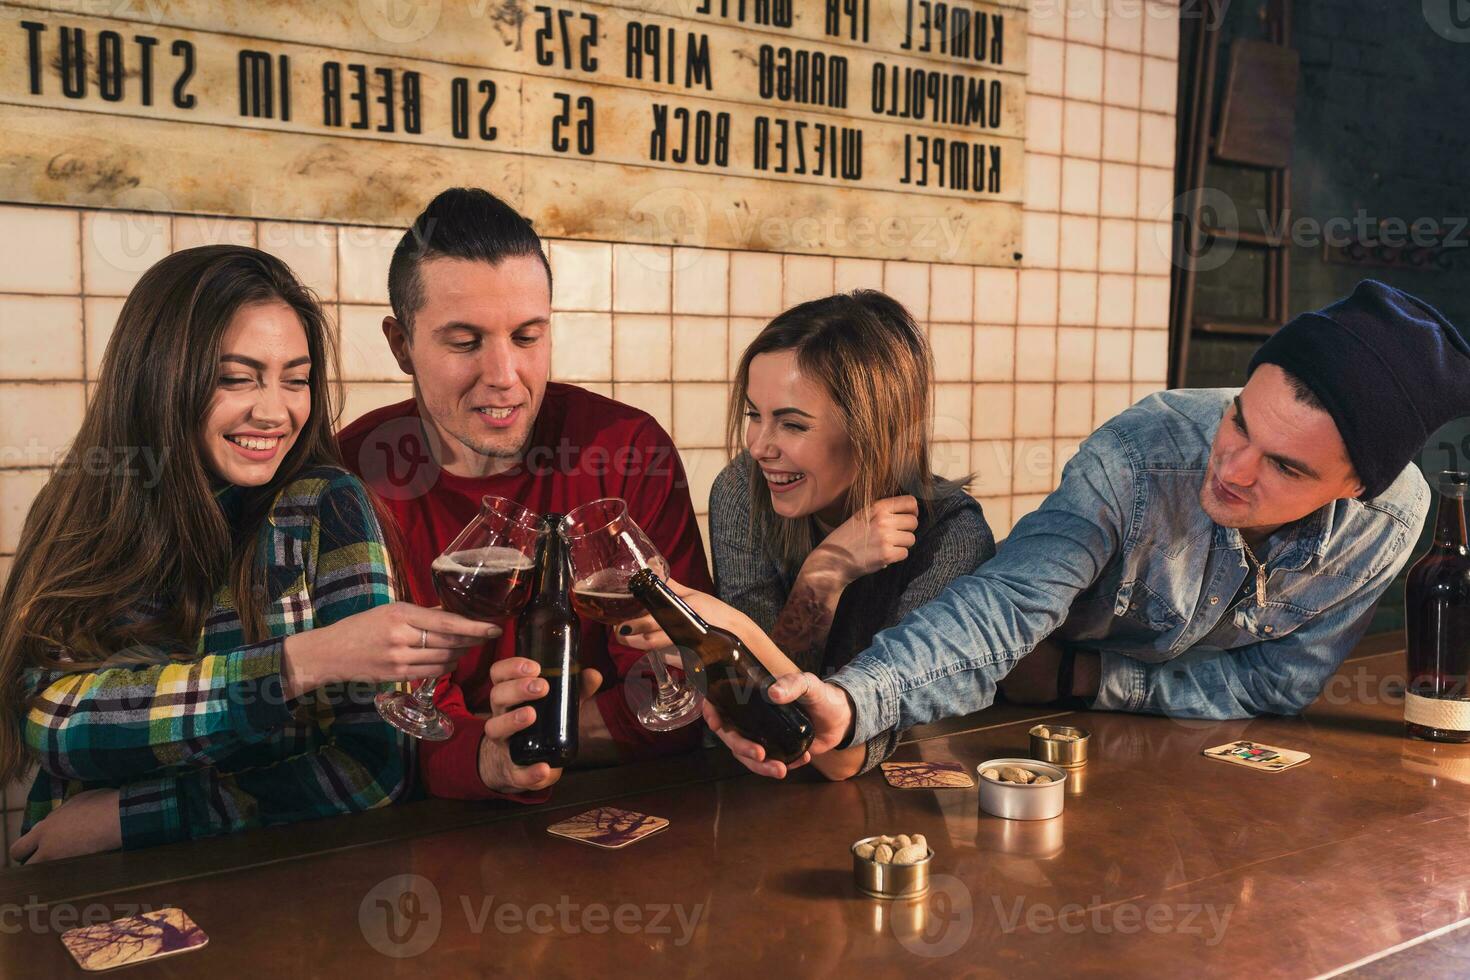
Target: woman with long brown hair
column 185, row 646
column 830, row 525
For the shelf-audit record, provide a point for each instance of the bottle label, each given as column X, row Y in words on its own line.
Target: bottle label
column 1445, row 715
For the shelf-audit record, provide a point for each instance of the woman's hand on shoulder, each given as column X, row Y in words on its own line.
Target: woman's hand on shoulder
column 867, row 542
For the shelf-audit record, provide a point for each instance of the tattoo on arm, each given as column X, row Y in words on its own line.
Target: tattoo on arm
column 801, row 629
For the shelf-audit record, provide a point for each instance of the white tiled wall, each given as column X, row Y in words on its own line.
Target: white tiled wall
column 1028, row 360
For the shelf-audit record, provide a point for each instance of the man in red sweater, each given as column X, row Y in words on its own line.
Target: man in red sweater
column 471, row 293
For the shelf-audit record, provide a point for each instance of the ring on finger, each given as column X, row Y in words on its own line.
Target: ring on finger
column 423, row 638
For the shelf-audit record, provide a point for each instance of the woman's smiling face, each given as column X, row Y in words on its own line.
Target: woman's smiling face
column 262, row 396
column 795, row 432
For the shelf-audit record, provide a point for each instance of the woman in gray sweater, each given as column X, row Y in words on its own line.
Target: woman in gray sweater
column 830, row 526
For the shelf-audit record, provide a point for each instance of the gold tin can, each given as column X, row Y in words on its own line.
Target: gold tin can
column 890, row 880
column 1060, row 752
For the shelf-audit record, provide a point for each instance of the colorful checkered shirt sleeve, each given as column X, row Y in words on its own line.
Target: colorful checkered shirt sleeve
column 124, row 722
column 210, row 747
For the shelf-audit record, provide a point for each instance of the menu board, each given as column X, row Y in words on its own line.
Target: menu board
column 873, row 128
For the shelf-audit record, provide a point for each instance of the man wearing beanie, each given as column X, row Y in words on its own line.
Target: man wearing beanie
column 1209, row 553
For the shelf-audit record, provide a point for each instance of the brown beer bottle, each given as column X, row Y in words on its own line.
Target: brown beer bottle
column 1437, row 617
column 547, row 632
column 727, row 673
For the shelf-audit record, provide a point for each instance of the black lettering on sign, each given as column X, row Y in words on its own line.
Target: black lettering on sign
column 936, row 96
column 331, row 93
column 184, row 50
column 357, row 94
column 785, row 146
column 413, row 101
column 114, row 64
column 584, row 125
column 460, row 108
column 954, row 29
column 933, row 161
column 554, row 39
column 73, row 62
column 653, row 51
column 767, row 13
column 146, row 44
column 387, row 89
column 801, row 76
column 847, row 18
column 33, row 31
column 701, row 136
column 110, row 66
column 385, row 76
column 258, row 86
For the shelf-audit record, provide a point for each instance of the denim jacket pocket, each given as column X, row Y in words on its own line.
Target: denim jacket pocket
column 1143, row 606
column 1273, row 620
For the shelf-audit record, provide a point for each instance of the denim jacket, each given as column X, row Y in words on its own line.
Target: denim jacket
column 1121, row 559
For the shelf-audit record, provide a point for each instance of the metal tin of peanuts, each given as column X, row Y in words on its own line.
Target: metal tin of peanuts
column 890, row 880
column 1023, row 801
column 1061, row 752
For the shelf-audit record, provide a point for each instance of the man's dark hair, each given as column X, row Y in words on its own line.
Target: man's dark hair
column 1303, row 393
column 461, row 223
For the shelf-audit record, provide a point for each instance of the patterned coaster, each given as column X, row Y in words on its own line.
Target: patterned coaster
column 133, row 939
column 927, row 775
column 609, row 827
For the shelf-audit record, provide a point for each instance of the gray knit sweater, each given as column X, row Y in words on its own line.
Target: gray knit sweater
column 953, row 539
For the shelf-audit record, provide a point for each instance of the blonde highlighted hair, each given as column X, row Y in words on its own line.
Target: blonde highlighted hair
column 875, row 364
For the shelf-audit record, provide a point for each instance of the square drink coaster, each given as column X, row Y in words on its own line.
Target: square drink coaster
column 1255, row 755
column 609, row 827
column 927, row 775
column 133, row 939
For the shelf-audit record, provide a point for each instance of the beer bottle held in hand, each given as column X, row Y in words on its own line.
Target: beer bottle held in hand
column 1437, row 617
column 727, row 672
column 547, row 632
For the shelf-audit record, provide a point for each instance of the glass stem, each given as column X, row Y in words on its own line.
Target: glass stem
column 667, row 689
column 423, row 695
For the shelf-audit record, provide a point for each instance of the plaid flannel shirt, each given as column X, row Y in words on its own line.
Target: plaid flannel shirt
column 210, row 746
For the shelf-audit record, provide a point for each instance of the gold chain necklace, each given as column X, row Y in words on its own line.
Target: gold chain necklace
column 1260, row 572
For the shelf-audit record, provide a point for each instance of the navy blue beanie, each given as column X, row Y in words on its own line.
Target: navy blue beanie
column 1389, row 368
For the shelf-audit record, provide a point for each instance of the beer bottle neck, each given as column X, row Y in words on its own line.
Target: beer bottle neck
column 1449, row 525
column 681, row 623
column 551, row 560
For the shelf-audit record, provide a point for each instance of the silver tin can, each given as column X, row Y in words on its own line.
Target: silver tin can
column 1023, row 801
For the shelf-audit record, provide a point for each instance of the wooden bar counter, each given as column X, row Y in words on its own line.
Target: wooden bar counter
column 1164, row 863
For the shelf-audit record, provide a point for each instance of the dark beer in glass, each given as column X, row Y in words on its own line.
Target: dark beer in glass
column 484, row 574
column 483, row 583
